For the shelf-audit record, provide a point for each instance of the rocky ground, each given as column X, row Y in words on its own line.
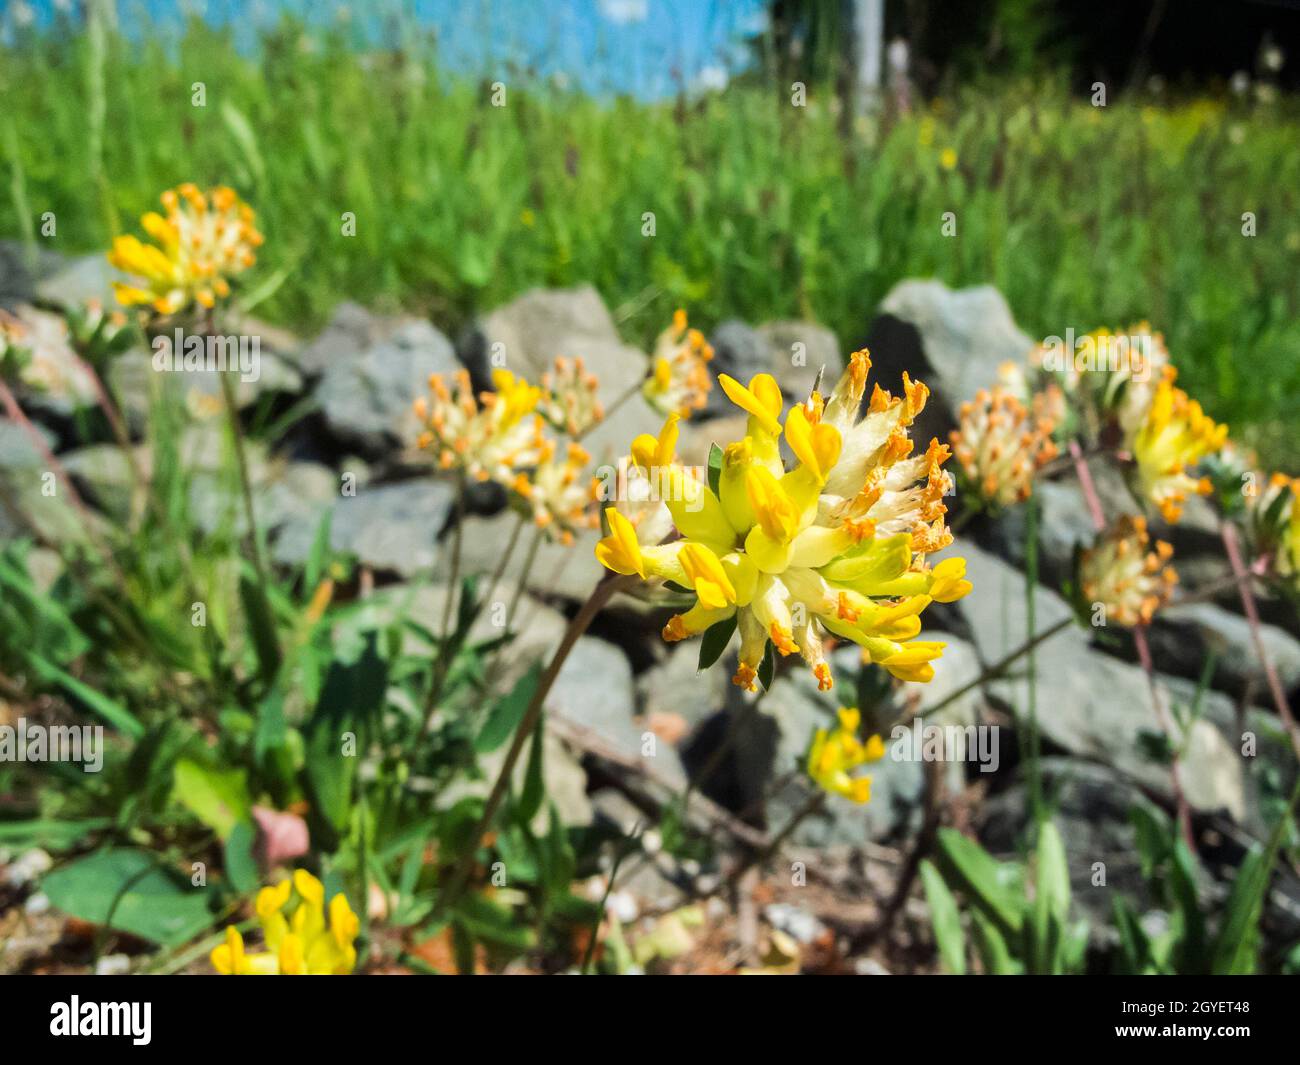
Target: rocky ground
column 357, row 380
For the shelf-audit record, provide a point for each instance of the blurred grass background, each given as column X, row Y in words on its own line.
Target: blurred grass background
column 1082, row 216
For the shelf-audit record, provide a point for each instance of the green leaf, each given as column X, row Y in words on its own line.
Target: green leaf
column 261, row 626
column 534, row 790
column 128, row 890
column 217, row 797
column 988, row 881
column 715, row 468
column 945, row 919
column 241, row 866
column 1238, row 940
column 507, row 712
column 715, row 640
column 767, row 668
column 1051, row 899
column 245, row 139
column 319, row 555
column 992, row 947
column 113, row 712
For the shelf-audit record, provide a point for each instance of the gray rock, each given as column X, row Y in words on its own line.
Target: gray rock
column 798, row 351
column 1088, row 703
column 527, row 334
column 17, row 451
column 1183, row 636
column 103, row 474
column 350, row 331
column 674, row 685
column 953, row 340
column 557, row 571
column 594, row 691
column 739, row 351
column 391, row 528
column 284, row 494
column 366, row 399
column 80, row 280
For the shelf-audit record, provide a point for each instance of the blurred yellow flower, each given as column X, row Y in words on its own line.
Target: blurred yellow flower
column 1175, row 434
column 203, row 241
column 948, row 158
column 570, row 397
column 491, row 437
column 834, row 753
column 1001, row 443
column 300, row 942
column 679, row 376
column 1121, row 574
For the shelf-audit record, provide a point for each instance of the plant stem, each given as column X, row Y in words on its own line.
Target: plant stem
column 1228, row 532
column 245, row 482
column 601, row 595
column 530, row 558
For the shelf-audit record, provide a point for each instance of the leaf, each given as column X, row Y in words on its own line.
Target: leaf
column 534, row 790
column 715, row 469
column 767, row 668
column 987, row 879
column 245, row 139
column 241, row 866
column 113, row 712
column 1051, row 899
column 945, row 919
column 507, row 712
column 261, row 626
column 129, row 891
column 715, row 640
column 992, row 947
column 217, row 797
column 1192, row 958
column 1238, row 940
column 318, row 556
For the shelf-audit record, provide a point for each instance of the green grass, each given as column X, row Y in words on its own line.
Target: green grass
column 1082, row 217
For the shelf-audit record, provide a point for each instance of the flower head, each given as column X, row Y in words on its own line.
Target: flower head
column 834, row 753
column 557, row 493
column 492, row 437
column 570, row 399
column 1121, row 573
column 679, row 376
column 1174, row 434
column 833, row 546
column 305, row 939
column 202, row 241
column 1002, row 443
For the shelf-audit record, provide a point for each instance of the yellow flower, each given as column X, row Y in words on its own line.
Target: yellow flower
column 948, row 159
column 557, row 494
column 203, row 241
column 833, row 754
column 834, row 545
column 492, row 437
column 1175, row 434
column 1001, row 443
column 679, row 377
column 570, row 399
column 300, row 941
column 1131, row 582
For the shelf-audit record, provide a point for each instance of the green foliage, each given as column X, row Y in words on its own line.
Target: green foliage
column 1082, row 216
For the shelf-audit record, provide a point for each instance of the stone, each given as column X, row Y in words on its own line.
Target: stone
column 1088, row 703
column 284, row 494
column 366, row 399
column 594, row 691
column 557, row 571
column 953, row 340
column 798, row 352
column 528, row 333
column 1182, row 636
column 79, row 281
column 391, row 528
column 56, row 381
column 351, row 329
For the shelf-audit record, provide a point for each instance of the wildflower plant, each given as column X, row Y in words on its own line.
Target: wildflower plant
column 1001, row 444
column 201, row 242
column 1127, row 574
column 833, row 547
column 834, row 753
column 679, row 382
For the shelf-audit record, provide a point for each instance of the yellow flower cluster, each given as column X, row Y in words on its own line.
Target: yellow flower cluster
column 1001, row 443
column 678, row 382
column 835, row 546
column 202, row 241
column 834, row 753
column 1173, row 435
column 558, row 494
column 1129, row 580
column 300, row 941
column 570, row 400
column 493, row 436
